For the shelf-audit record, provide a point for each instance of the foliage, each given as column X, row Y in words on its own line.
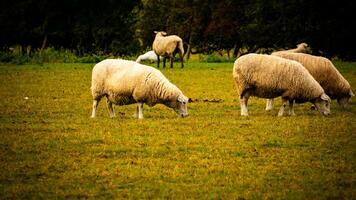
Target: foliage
column 124, row 28
column 84, row 26
column 51, row 149
column 253, row 25
column 50, row 55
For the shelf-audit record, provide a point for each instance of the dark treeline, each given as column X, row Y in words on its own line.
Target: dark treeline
column 126, row 27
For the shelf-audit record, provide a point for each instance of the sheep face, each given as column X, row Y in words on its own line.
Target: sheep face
column 322, row 104
column 343, row 101
column 179, row 105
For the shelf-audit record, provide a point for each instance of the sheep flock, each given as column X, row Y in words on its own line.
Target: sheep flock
column 294, row 75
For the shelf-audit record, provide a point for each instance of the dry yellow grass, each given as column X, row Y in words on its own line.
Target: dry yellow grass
column 50, row 148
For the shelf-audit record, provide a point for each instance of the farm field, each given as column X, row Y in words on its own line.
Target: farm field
column 51, row 148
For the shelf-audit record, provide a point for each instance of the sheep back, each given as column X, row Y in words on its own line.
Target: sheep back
column 164, row 46
column 323, row 70
column 270, row 76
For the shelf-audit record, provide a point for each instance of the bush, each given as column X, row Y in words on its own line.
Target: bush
column 211, row 58
column 6, row 57
column 90, row 59
column 52, row 55
column 49, row 55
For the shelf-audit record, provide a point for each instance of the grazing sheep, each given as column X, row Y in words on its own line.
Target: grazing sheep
column 167, row 46
column 150, row 56
column 323, row 71
column 126, row 82
column 268, row 76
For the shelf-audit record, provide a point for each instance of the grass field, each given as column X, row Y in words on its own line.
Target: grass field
column 51, row 148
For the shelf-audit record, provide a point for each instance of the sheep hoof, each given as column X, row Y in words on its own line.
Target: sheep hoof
column 137, row 116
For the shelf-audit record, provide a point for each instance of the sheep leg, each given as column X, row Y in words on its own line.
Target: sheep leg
column 164, row 62
column 158, row 61
column 110, row 108
column 243, row 103
column 139, row 113
column 181, row 58
column 95, row 106
column 172, row 59
column 269, row 104
column 291, row 109
column 281, row 110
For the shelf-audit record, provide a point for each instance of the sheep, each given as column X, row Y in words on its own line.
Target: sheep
column 167, row 46
column 150, row 55
column 323, row 71
column 125, row 82
column 286, row 78
column 301, row 48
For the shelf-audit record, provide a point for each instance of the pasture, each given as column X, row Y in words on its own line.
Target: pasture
column 51, row 148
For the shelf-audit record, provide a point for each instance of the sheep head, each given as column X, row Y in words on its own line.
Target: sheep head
column 304, row 47
column 179, row 105
column 344, row 100
column 322, row 104
column 160, row 33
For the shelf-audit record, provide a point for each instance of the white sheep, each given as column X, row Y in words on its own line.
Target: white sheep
column 323, row 71
column 150, row 56
column 267, row 76
column 301, row 48
column 167, row 46
column 126, row 82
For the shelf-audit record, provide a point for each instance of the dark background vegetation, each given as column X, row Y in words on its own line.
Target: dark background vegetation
column 126, row 27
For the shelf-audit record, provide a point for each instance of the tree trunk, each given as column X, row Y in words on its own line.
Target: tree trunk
column 236, row 50
column 44, row 43
column 189, row 49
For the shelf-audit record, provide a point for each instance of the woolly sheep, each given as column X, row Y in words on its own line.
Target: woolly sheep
column 126, row 82
column 286, row 78
column 150, row 56
column 323, row 71
column 167, row 46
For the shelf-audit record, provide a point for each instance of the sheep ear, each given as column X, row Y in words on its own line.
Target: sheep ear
column 155, row 32
column 351, row 94
column 325, row 97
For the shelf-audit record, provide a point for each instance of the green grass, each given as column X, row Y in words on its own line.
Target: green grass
column 51, row 148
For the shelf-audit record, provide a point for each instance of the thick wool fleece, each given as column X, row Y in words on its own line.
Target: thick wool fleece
column 323, row 70
column 126, row 82
column 269, row 76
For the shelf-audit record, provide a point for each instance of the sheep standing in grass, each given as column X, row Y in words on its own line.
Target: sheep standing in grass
column 167, row 46
column 323, row 71
column 150, row 56
column 268, row 76
column 125, row 82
